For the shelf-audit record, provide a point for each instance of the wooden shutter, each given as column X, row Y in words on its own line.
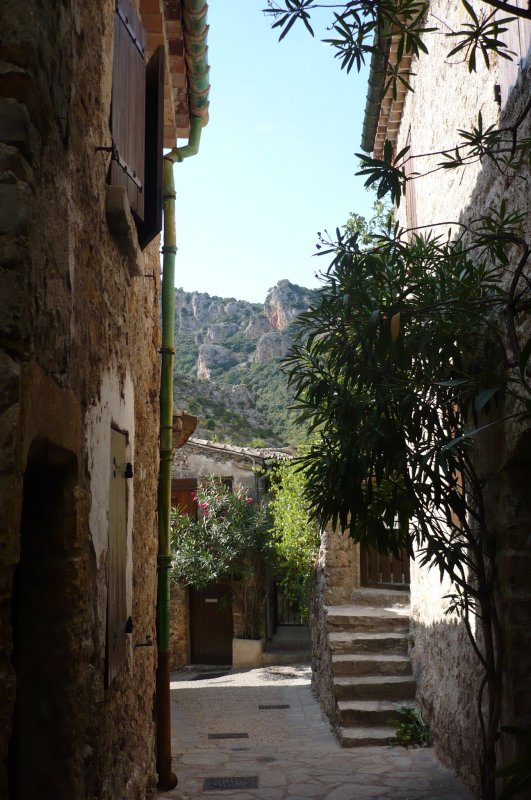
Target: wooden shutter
column 378, row 569
column 117, row 558
column 128, row 108
column 152, row 223
column 183, row 496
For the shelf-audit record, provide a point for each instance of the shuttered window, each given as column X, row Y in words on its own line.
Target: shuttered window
column 152, row 222
column 129, row 105
column 117, row 558
column 183, row 496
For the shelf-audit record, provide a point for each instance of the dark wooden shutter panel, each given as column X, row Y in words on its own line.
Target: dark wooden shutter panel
column 117, row 558
column 152, row 223
column 128, row 105
column 183, row 494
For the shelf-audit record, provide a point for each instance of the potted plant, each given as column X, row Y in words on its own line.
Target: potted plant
column 227, row 543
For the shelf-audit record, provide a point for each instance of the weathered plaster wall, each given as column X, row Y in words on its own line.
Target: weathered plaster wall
column 447, row 97
column 190, row 462
column 79, row 340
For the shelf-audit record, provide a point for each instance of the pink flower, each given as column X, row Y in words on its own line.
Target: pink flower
column 249, row 501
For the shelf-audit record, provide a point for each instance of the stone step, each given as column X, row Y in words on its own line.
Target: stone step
column 290, row 637
column 383, row 598
column 370, row 664
column 281, row 656
column 366, row 618
column 366, row 736
column 374, row 687
column 361, row 713
column 349, row 642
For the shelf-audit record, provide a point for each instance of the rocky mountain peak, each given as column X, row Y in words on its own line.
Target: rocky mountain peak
column 284, row 303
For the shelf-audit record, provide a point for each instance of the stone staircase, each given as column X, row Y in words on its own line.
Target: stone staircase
column 289, row 645
column 372, row 674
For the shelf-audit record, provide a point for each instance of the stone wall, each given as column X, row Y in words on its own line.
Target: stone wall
column 79, row 345
column 340, row 563
column 337, row 573
column 448, row 97
column 179, row 627
column 322, row 674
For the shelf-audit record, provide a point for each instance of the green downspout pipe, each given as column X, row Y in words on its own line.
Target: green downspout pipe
column 195, row 41
column 167, row 779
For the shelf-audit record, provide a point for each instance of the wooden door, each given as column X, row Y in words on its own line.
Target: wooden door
column 211, row 624
column 384, row 570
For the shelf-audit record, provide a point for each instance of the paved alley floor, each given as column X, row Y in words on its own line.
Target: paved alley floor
column 263, row 730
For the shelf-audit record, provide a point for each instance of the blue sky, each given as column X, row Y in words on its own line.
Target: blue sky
column 276, row 163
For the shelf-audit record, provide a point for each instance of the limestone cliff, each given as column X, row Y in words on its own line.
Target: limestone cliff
column 228, row 355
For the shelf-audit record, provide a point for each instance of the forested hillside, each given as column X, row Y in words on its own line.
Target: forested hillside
column 228, row 364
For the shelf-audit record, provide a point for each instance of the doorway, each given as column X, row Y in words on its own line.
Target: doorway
column 211, row 624
column 384, row 570
column 41, row 750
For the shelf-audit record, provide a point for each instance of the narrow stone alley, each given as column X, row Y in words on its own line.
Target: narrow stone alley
column 260, row 733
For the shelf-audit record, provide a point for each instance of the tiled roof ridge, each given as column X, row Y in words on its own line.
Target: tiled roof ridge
column 264, row 453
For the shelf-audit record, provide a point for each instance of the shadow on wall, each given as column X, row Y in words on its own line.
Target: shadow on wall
column 447, row 674
column 47, row 639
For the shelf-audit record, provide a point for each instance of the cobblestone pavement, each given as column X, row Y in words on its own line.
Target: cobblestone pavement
column 289, row 753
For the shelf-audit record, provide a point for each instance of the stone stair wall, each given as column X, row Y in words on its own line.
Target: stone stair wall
column 361, row 670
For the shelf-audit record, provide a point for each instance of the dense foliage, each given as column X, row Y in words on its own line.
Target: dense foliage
column 295, row 536
column 227, row 543
column 398, row 366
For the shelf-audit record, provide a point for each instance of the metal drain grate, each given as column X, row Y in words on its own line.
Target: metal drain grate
column 228, row 735
column 215, row 784
column 269, row 705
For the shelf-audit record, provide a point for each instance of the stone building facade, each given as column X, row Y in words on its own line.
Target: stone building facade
column 79, row 379
column 447, row 97
column 246, row 466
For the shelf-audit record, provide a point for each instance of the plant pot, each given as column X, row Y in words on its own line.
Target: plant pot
column 247, row 652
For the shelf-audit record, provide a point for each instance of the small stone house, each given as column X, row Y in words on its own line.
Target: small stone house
column 447, row 97
column 90, row 93
column 199, row 632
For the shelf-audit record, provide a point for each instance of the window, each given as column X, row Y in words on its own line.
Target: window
column 137, row 121
column 183, row 496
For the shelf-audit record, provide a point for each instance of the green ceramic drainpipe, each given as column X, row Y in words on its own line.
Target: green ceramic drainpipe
column 167, row 779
